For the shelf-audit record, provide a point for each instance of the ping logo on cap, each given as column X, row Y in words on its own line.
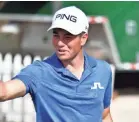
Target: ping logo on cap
column 86, row 28
column 68, row 17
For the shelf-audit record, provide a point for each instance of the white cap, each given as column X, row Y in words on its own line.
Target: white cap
column 71, row 19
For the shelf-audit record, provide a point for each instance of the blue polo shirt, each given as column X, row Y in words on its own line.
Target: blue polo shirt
column 58, row 96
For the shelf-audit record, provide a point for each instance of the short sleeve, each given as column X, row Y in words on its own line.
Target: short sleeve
column 30, row 77
column 108, row 92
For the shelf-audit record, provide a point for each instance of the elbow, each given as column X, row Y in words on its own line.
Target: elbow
column 2, row 97
column 2, row 92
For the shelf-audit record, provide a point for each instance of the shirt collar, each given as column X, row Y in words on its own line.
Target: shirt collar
column 90, row 62
column 55, row 63
column 53, row 60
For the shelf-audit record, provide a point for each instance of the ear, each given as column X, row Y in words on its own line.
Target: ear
column 84, row 38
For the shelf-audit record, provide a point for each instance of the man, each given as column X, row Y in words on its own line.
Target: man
column 69, row 86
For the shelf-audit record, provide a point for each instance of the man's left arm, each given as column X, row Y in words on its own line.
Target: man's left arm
column 107, row 115
column 107, row 100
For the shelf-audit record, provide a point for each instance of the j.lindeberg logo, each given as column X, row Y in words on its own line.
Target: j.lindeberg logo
column 97, row 85
column 68, row 17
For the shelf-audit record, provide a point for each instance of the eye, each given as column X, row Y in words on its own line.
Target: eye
column 55, row 35
column 68, row 37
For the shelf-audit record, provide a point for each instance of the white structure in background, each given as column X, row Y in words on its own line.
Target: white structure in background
column 10, row 28
column 113, row 76
column 8, row 67
column 17, row 64
column 17, row 108
column 6, row 75
column 37, row 57
column 27, row 60
column 131, row 27
column 129, row 66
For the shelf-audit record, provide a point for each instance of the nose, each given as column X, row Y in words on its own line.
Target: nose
column 60, row 43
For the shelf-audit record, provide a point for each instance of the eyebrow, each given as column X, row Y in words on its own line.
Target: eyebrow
column 54, row 32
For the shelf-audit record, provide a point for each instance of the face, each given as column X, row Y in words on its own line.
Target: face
column 67, row 46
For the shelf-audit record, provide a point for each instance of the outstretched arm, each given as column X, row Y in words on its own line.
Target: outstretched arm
column 24, row 82
column 11, row 89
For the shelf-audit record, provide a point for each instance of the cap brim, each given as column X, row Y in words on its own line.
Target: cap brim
column 67, row 28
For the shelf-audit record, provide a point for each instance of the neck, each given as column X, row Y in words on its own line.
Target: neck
column 77, row 63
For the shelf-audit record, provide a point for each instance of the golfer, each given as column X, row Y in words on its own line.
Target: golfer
column 69, row 86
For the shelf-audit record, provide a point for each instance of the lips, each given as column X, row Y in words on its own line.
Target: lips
column 60, row 51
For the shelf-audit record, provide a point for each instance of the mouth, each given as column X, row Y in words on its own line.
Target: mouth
column 60, row 51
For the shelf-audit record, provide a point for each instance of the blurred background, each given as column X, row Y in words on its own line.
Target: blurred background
column 113, row 36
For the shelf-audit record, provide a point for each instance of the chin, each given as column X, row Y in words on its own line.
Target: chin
column 64, row 58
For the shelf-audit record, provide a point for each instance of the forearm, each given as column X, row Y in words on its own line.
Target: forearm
column 108, row 118
column 2, row 91
column 107, row 121
column 107, row 115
